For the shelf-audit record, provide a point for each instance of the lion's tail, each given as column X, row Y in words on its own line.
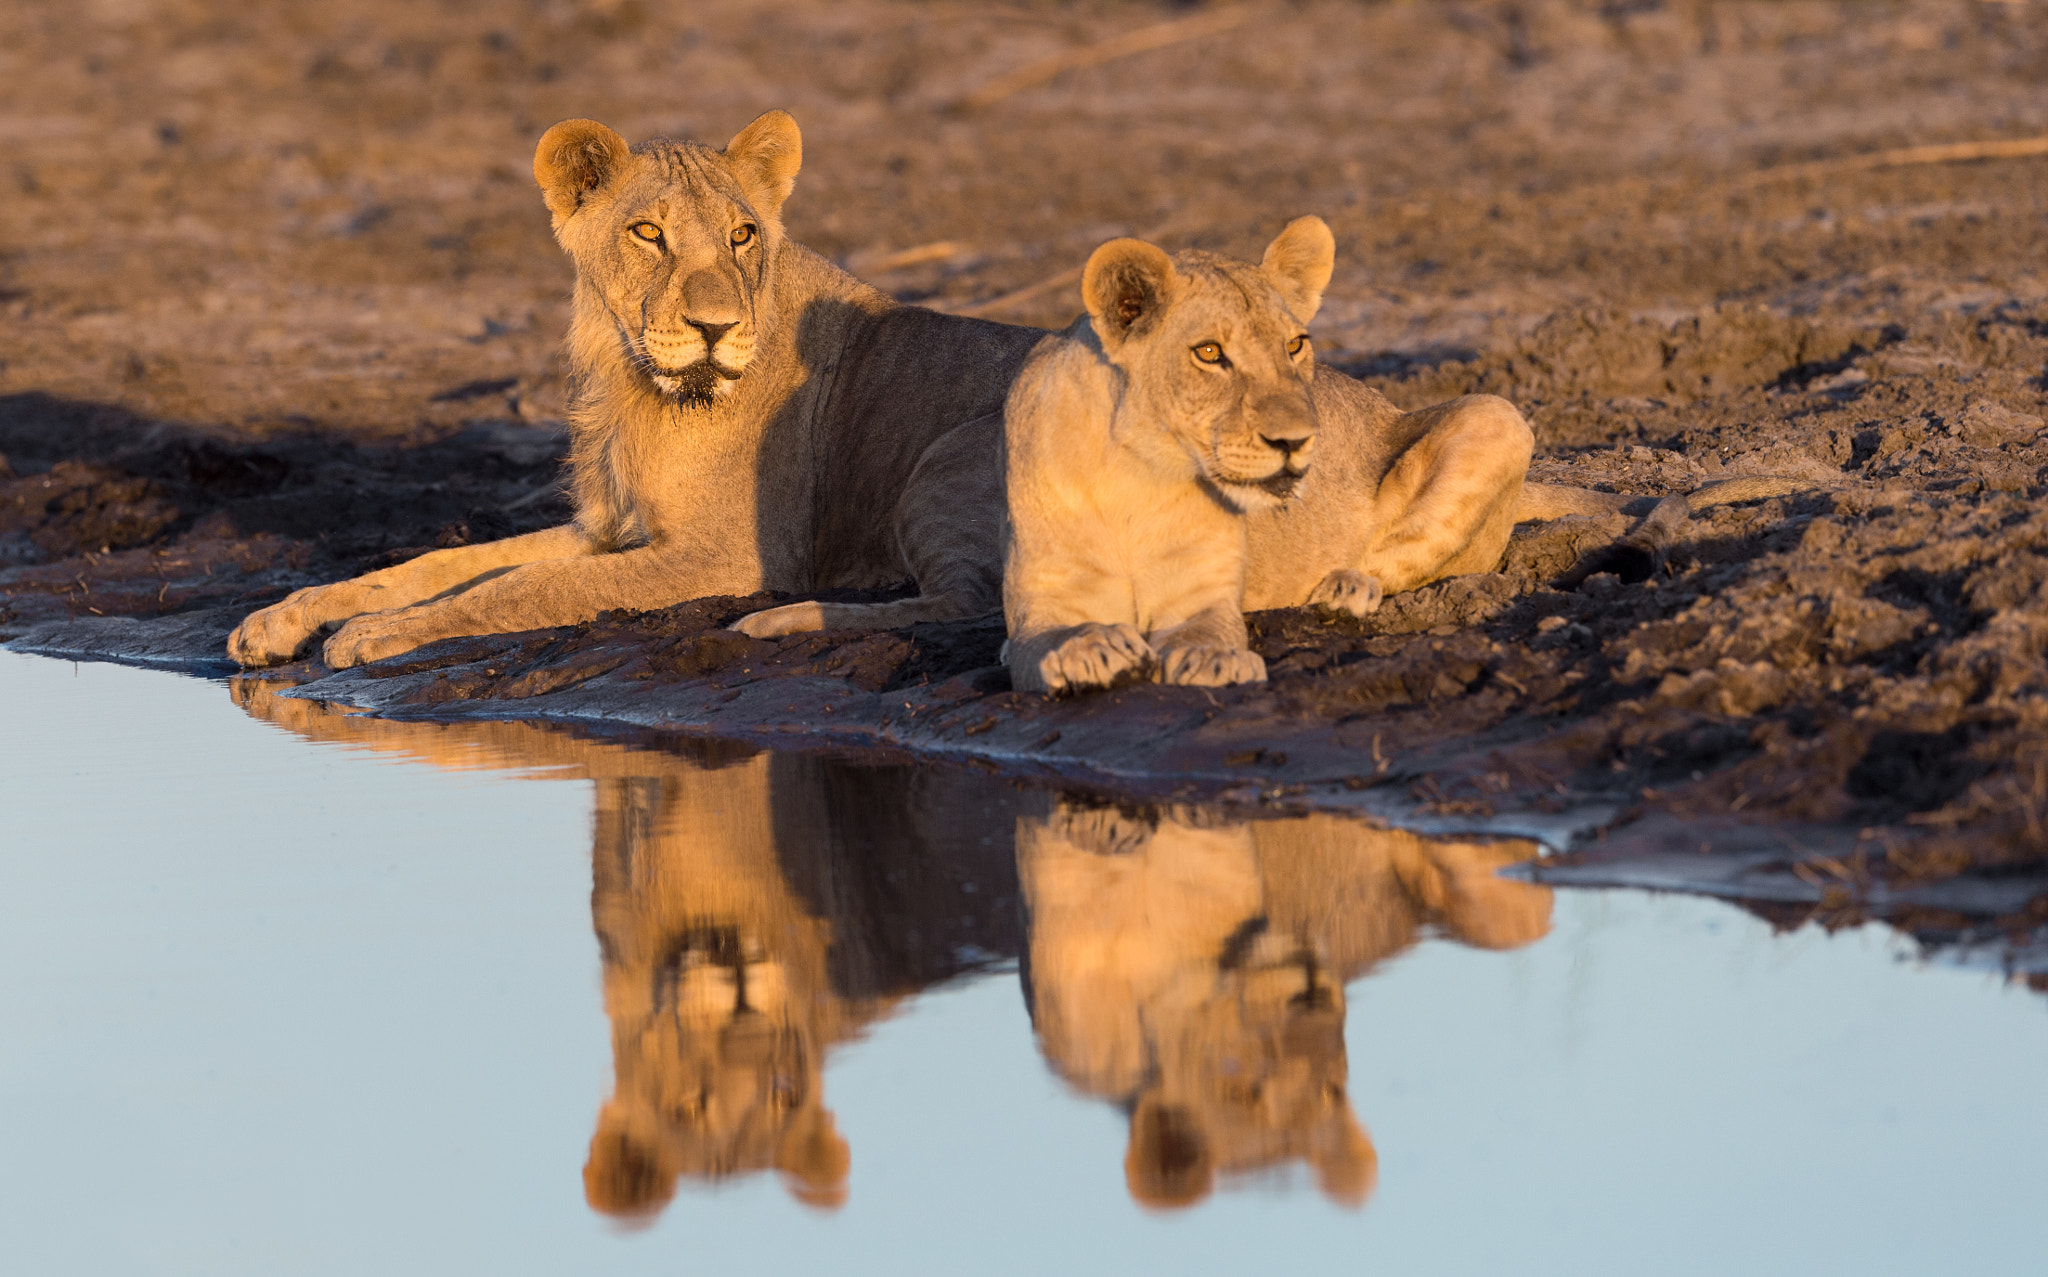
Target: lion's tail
column 1640, row 551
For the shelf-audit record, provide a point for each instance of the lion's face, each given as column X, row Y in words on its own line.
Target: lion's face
column 677, row 240
column 723, row 1076
column 1251, row 1076
column 1217, row 355
column 716, row 988
column 1159, row 978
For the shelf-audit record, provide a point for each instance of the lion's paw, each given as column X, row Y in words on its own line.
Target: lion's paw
column 279, row 632
column 376, row 635
column 1096, row 656
column 1350, row 592
column 774, row 622
column 1211, row 666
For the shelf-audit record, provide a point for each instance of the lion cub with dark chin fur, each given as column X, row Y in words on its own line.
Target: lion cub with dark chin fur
column 1134, row 444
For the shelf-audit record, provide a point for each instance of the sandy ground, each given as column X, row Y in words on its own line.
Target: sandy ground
column 280, row 305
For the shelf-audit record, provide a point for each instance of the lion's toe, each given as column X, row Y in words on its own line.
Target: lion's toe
column 372, row 638
column 1096, row 657
column 1212, row 667
column 269, row 637
column 1348, row 591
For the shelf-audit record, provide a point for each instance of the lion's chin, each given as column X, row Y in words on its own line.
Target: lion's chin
column 700, row 383
column 1276, row 489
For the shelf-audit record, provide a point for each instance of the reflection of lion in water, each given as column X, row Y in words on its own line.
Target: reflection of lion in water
column 751, row 918
column 718, row 996
column 1195, row 974
column 753, row 911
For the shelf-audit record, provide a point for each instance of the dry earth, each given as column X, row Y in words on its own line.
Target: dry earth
column 280, row 305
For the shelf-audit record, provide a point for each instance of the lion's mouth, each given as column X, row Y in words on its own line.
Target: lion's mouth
column 1280, row 485
column 701, row 382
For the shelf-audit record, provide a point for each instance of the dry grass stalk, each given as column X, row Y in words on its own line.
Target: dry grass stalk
column 883, row 263
column 1142, row 40
column 2013, row 148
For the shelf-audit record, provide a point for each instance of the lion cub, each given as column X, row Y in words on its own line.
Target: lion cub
column 1134, row 444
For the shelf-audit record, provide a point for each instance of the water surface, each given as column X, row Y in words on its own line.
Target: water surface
column 288, row 991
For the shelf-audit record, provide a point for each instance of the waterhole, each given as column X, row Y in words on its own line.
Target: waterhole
column 292, row 991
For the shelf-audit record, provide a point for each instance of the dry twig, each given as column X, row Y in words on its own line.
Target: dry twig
column 1142, row 40
column 1031, row 292
column 883, row 263
column 2012, row 148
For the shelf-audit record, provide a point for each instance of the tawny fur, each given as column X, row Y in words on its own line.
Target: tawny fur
column 1135, row 442
column 718, row 982
column 1189, row 970
column 744, row 415
column 1193, row 973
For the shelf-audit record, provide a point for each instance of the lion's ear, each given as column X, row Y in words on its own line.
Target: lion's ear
column 765, row 156
column 1126, row 283
column 1167, row 1164
column 814, row 1159
column 1299, row 262
column 626, row 1176
column 573, row 159
column 1346, row 1166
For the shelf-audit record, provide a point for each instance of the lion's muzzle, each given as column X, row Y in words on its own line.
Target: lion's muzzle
column 697, row 361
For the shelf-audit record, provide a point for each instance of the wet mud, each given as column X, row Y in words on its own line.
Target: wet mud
column 327, row 342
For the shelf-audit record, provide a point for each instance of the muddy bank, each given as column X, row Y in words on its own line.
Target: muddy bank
column 328, row 342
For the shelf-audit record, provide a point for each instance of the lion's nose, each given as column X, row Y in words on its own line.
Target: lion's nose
column 712, row 332
column 1289, row 444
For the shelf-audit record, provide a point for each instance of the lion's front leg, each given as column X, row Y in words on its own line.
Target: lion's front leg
column 538, row 596
column 282, row 630
column 1210, row 649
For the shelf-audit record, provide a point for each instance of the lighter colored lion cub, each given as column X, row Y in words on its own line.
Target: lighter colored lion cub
column 1136, row 441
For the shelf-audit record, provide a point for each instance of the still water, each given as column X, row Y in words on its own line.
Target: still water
column 284, row 991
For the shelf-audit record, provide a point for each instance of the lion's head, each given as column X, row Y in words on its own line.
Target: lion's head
column 1158, row 978
column 724, row 1077
column 675, row 240
column 1251, row 1076
column 1216, row 355
column 716, row 986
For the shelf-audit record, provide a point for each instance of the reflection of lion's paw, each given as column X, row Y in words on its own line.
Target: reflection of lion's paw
column 1106, row 831
column 774, row 622
column 1347, row 591
column 376, row 635
column 277, row 632
column 1095, row 656
column 1211, row 666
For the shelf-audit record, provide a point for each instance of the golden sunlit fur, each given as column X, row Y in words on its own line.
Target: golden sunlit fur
column 1194, row 973
column 1390, row 500
column 1135, row 442
column 718, row 995
column 716, row 980
column 754, row 911
column 744, row 415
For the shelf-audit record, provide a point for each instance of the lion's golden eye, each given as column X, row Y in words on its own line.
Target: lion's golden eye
column 742, row 236
column 1295, row 346
column 647, row 231
column 1209, row 353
